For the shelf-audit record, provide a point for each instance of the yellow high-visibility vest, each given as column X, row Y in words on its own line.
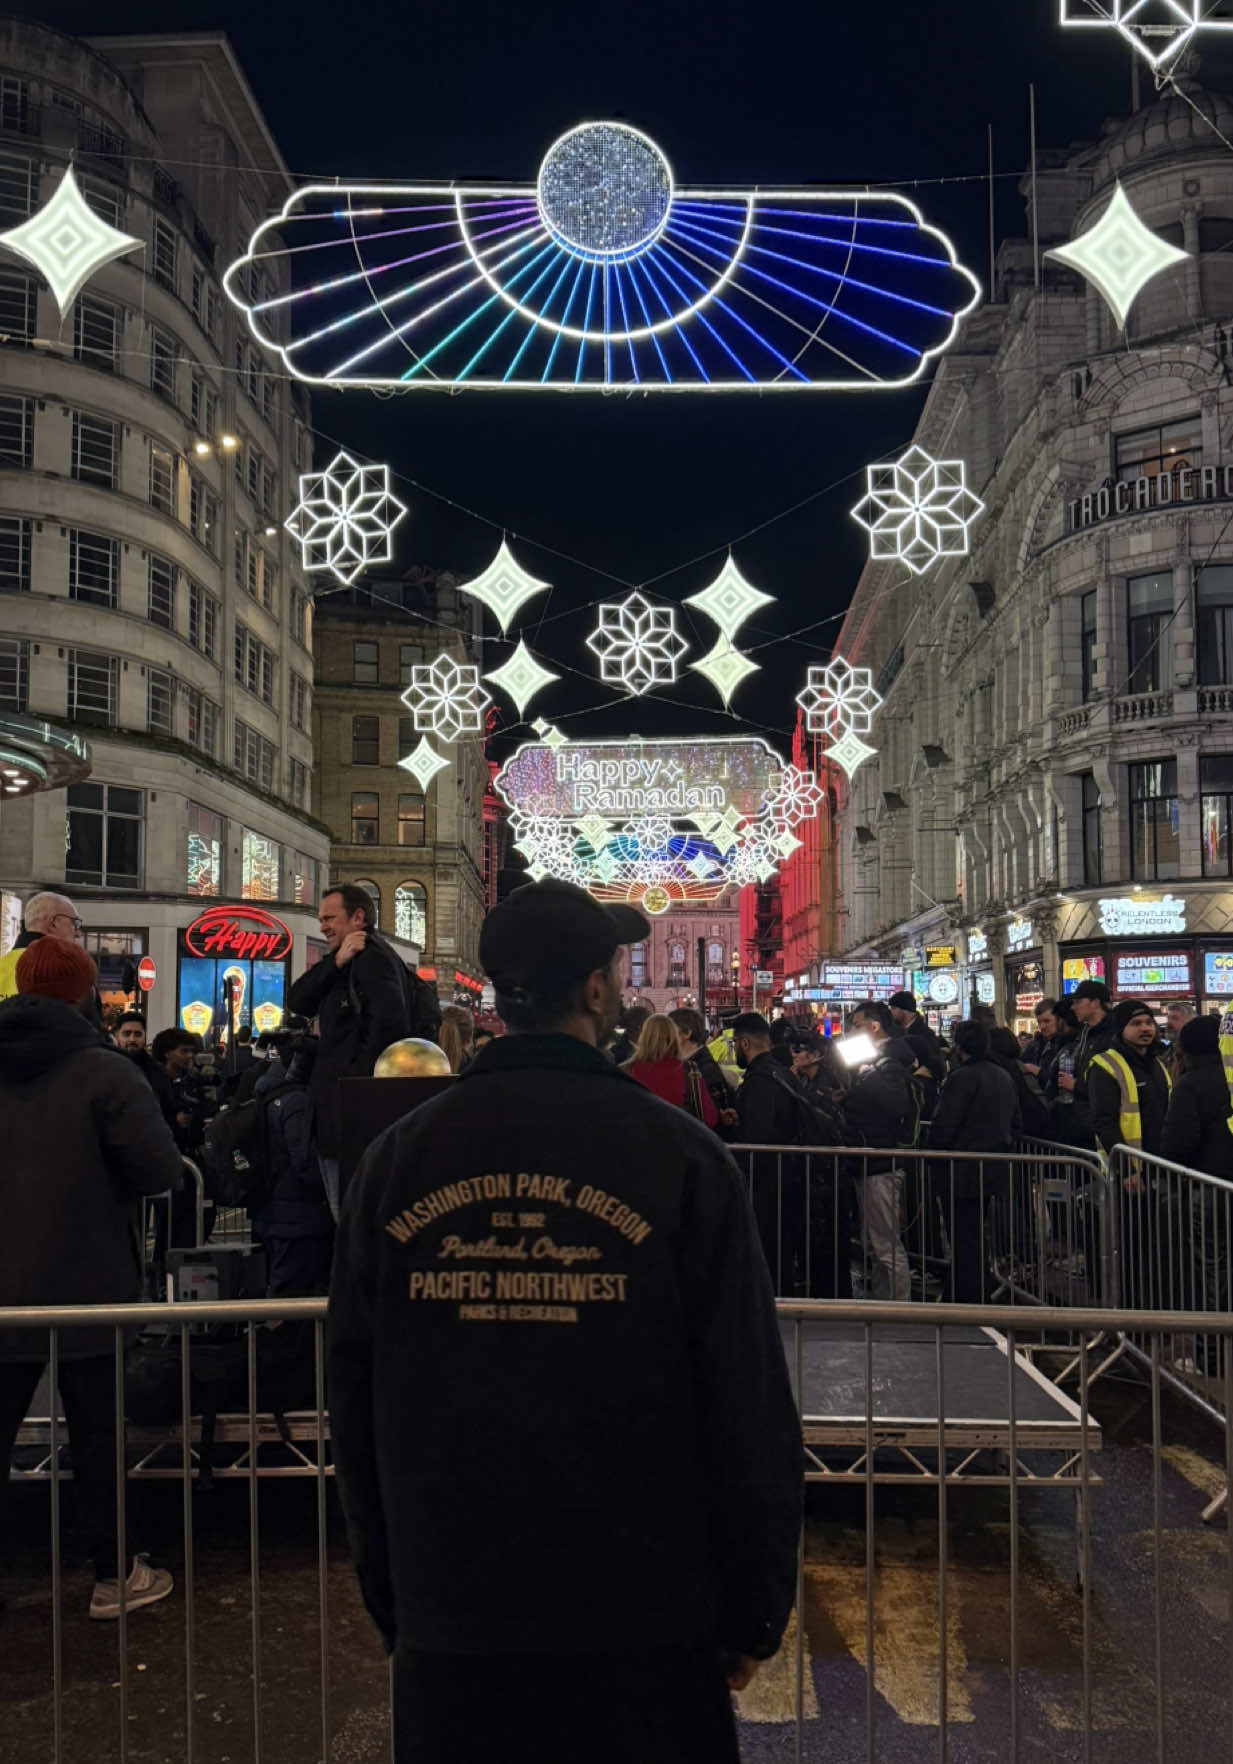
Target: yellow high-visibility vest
column 1226, row 1058
column 8, row 972
column 1130, row 1120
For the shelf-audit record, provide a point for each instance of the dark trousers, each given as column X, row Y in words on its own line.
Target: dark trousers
column 88, row 1390
column 969, row 1250
column 297, row 1267
column 662, row 1706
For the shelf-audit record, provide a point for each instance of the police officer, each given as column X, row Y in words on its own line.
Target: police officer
column 566, row 1442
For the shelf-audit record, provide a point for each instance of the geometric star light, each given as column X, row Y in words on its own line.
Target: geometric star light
column 1119, row 255
column 504, row 587
column 446, row 698
column 839, row 699
column 730, row 600
column 918, row 509
column 725, row 667
column 850, row 752
column 66, row 241
column 521, row 677
column 345, row 518
column 1158, row 29
column 424, row 763
column 638, row 644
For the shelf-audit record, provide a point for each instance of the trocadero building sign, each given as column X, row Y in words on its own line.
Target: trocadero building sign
column 1188, row 484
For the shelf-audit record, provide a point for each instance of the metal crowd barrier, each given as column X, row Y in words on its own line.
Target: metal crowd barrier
column 905, row 1642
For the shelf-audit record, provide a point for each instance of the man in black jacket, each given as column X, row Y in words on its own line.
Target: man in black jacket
column 565, row 1437
column 978, row 1111
column 1090, row 1004
column 1128, row 1087
column 131, row 1041
column 879, row 1109
column 360, row 996
column 920, row 1037
column 83, row 1141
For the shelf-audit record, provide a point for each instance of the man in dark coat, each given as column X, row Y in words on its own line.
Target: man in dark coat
column 1196, row 1130
column 1128, row 1088
column 359, row 994
column 771, row 1111
column 880, row 1109
column 919, row 1036
column 1090, row 1003
column 565, row 1437
column 130, row 1035
column 978, row 1111
column 83, row 1140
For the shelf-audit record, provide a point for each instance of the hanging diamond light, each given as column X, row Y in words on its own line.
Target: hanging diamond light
column 521, row 677
column 424, row 763
column 67, row 242
column 504, row 587
column 729, row 600
column 1119, row 255
column 725, row 667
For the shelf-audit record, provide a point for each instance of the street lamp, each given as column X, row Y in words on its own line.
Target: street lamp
column 736, row 979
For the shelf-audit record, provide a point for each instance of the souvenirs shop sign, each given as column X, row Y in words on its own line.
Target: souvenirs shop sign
column 245, row 932
column 1137, row 495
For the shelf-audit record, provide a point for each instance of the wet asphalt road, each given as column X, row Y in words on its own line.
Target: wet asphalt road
column 1192, row 1567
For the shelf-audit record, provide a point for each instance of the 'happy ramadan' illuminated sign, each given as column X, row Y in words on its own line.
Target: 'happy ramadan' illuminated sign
column 625, row 779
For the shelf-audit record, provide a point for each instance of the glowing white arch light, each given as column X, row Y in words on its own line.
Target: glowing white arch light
column 504, row 587
column 1145, row 23
column 424, row 763
column 345, row 518
column 67, row 242
column 638, row 644
column 918, row 509
column 730, row 600
column 521, row 677
column 445, row 698
column 1119, row 255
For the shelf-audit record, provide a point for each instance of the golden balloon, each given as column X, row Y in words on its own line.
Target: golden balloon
column 412, row 1058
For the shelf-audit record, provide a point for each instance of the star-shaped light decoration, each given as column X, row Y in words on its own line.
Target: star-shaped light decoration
column 850, row 752
column 424, row 763
column 1158, row 29
column 67, row 242
column 918, row 509
column 797, row 798
column 638, row 644
column 839, row 698
column 595, row 830
column 504, row 587
column 730, row 600
column 1119, row 255
column 446, row 699
column 345, row 518
column 521, row 677
column 725, row 667
column 548, row 735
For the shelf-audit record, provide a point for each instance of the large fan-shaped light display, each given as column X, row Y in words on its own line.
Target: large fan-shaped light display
column 603, row 273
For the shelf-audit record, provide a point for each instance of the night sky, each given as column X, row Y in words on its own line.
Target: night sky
column 883, row 91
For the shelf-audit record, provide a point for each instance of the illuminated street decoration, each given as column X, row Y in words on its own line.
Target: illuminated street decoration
column 678, row 821
column 602, row 273
column 839, row 702
column 67, row 242
column 521, row 677
column 345, row 518
column 638, row 644
column 1158, row 29
column 504, row 587
column 548, row 735
column 725, row 667
column 1119, row 255
column 850, row 752
column 445, row 698
column 730, row 600
column 424, row 763
column 918, row 509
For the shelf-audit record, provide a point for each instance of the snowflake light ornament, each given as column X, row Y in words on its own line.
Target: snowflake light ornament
column 1158, row 29
column 424, row 763
column 1119, row 255
column 797, row 798
column 504, row 587
column 918, row 509
column 446, row 699
column 521, row 677
column 345, row 518
column 638, row 644
column 67, row 242
column 838, row 699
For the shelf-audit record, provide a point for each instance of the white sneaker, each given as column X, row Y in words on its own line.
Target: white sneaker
column 144, row 1586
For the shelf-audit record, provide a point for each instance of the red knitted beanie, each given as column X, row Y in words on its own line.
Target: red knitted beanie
column 54, row 968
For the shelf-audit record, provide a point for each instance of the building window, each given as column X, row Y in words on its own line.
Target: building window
column 406, row 736
column 1154, row 846
column 103, row 836
column 297, row 710
column 410, row 820
column 365, row 818
column 259, row 867
column 18, row 307
column 203, row 516
column 1149, row 627
column 1214, row 624
column 17, row 432
column 96, row 332
column 1216, row 788
column 1144, row 453
column 299, row 617
column 105, row 200
column 1093, row 863
column 14, row 104
column 365, row 741
column 254, row 756
column 162, row 593
column 16, row 188
column 94, row 450
column 297, row 781
column 14, row 673
column 410, row 655
column 163, row 256
column 205, row 851
column 678, row 972
column 254, row 665
column 94, row 568
column 203, row 719
column 639, row 971
column 366, row 664
column 374, row 895
column 92, row 688
column 303, row 879
column 202, row 620
column 160, row 703
column 716, row 972
column 411, row 913
column 1087, row 643
column 163, row 363
column 14, row 556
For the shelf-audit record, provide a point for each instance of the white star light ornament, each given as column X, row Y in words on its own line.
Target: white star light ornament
column 839, row 698
column 1119, row 255
column 730, row 600
column 638, row 644
column 504, row 587
column 345, row 518
column 424, row 763
column 725, row 667
column 67, row 242
column 796, row 799
column 446, row 699
column 1158, row 29
column 918, row 509
column 521, row 677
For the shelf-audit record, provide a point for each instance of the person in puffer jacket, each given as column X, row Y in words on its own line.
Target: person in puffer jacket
column 295, row 1223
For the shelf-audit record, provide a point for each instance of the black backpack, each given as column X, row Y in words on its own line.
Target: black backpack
column 239, row 1165
column 814, row 1125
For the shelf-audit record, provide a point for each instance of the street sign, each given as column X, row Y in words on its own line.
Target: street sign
column 147, row 973
column 763, row 977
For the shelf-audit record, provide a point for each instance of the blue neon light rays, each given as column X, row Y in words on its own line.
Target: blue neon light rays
column 656, row 288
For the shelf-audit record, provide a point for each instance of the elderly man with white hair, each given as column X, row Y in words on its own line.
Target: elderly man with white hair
column 45, row 915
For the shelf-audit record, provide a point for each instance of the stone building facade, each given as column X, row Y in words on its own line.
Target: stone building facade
column 662, row 973
column 1053, row 790
column 149, row 596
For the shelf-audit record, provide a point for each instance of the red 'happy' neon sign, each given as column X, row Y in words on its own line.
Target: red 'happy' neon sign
column 247, row 933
